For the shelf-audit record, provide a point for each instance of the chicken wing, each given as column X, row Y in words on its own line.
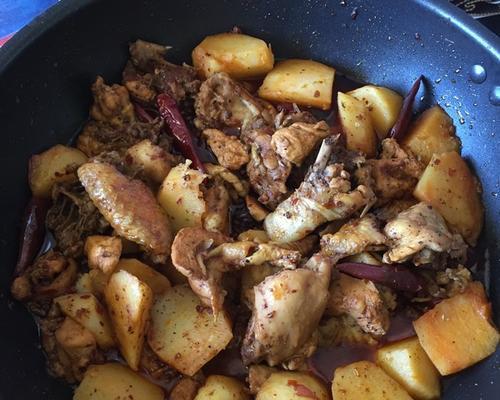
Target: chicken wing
column 420, row 234
column 130, row 208
column 325, row 195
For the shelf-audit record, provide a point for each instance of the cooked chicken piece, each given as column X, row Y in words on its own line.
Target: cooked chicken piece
column 257, row 375
column 454, row 280
column 344, row 329
column 177, row 81
column 288, row 117
column 256, row 210
column 51, row 275
column 111, row 104
column 393, row 176
column 250, row 253
column 98, row 137
column 251, row 277
column 217, row 200
column 294, row 143
column 238, row 186
column 360, row 299
column 392, row 209
column 139, row 86
column 189, row 256
column 130, row 208
column 420, row 234
column 223, row 102
column 229, row 150
column 353, row 237
column 185, row 389
column 78, row 345
column 103, row 252
column 287, row 310
column 267, row 171
column 73, row 217
column 325, row 195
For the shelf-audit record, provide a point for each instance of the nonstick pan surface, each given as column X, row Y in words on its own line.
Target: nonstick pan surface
column 46, row 71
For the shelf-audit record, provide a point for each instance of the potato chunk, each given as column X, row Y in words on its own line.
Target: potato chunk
column 103, row 252
column 432, row 133
column 357, row 125
column 152, row 159
column 113, row 381
column 129, row 301
column 365, row 380
column 383, row 105
column 218, row 387
column 184, row 333
column 181, row 197
column 407, row 362
column 292, row 386
column 87, row 311
column 57, row 164
column 304, row 82
column 240, row 56
column 155, row 280
column 450, row 187
column 458, row 332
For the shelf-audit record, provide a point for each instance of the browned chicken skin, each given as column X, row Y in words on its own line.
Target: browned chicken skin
column 130, row 207
column 360, row 299
column 229, row 150
column 420, row 234
column 287, row 309
column 111, row 104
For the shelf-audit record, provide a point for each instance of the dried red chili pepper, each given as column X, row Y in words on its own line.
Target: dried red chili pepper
column 401, row 126
column 170, row 113
column 32, row 233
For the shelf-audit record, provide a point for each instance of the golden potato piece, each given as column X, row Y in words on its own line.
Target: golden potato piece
column 57, row 164
column 357, row 125
column 103, row 252
column 240, row 56
column 450, row 187
column 407, row 362
column 181, row 196
column 152, row 159
column 292, row 386
column 184, row 333
column 383, row 105
column 155, row 280
column 114, row 381
column 129, row 301
column 432, row 133
column 365, row 380
column 458, row 332
column 304, row 82
column 88, row 311
column 218, row 387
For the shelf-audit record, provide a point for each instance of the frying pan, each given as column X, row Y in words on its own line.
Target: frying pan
column 46, row 71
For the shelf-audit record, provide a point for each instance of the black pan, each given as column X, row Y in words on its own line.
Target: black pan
column 46, row 71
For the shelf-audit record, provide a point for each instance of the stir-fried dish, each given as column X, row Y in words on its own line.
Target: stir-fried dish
column 242, row 229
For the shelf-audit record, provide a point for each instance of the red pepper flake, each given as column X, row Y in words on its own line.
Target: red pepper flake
column 301, row 390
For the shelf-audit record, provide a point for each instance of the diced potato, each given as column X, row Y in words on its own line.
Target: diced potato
column 450, row 187
column 152, row 159
column 129, row 301
column 365, row 258
column 181, row 197
column 103, row 252
column 218, row 387
column 241, row 56
column 57, row 164
column 432, row 133
column 407, row 362
column 304, row 82
column 84, row 284
column 154, row 279
column 86, row 310
column 458, row 332
column 113, row 381
column 292, row 386
column 357, row 125
column 184, row 333
column 383, row 105
column 365, row 380
column 74, row 339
